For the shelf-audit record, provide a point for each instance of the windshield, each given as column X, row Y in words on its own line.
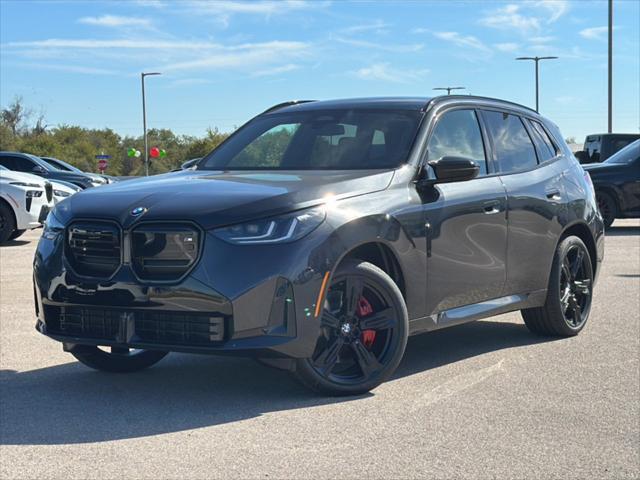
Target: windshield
column 319, row 140
column 627, row 155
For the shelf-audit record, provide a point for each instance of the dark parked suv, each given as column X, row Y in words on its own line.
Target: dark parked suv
column 320, row 235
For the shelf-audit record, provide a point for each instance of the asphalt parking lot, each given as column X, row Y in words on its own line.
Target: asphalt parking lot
column 484, row 400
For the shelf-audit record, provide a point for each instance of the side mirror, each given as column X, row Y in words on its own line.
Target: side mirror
column 38, row 169
column 454, row 169
column 582, row 156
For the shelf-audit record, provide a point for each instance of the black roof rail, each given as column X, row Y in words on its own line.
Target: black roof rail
column 285, row 104
column 475, row 97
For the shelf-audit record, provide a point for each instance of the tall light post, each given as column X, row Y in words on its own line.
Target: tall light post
column 536, row 59
column 144, row 122
column 610, row 69
column 448, row 89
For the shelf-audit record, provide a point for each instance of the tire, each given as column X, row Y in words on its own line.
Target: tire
column 7, row 222
column 608, row 207
column 363, row 333
column 569, row 294
column 120, row 360
column 16, row 234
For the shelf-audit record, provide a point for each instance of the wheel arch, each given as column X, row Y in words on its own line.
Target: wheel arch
column 583, row 232
column 613, row 192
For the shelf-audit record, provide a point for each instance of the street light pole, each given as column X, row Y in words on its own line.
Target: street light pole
column 448, row 89
column 144, row 122
column 610, row 68
column 536, row 60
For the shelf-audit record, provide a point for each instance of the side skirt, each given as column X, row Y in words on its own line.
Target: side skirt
column 477, row 311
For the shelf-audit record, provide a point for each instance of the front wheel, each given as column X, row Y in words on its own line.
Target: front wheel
column 569, row 293
column 607, row 207
column 117, row 359
column 363, row 334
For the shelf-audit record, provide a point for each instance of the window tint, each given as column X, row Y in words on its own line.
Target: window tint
column 7, row 162
column 21, row 164
column 546, row 148
column 457, row 134
column 511, row 143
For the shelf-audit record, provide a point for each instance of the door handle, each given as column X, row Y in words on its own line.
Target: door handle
column 554, row 195
column 491, row 207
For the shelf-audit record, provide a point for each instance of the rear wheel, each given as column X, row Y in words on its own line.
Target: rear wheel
column 608, row 208
column 117, row 359
column 7, row 222
column 569, row 293
column 364, row 328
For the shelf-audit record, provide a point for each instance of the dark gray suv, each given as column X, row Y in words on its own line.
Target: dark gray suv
column 320, row 235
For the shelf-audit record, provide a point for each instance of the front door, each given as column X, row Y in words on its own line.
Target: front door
column 466, row 221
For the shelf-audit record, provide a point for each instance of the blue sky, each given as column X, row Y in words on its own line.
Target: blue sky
column 225, row 61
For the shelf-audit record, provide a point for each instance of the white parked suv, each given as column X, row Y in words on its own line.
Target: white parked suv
column 25, row 201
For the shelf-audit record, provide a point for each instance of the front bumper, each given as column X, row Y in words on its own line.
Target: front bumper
column 249, row 300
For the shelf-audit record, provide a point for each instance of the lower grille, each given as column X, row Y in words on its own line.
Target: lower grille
column 135, row 326
column 94, row 248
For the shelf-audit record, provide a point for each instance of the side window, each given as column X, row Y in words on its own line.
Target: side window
column 7, row 162
column 511, row 142
column 546, row 148
column 457, row 134
column 21, row 164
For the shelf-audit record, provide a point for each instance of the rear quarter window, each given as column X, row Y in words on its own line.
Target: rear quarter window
column 512, row 146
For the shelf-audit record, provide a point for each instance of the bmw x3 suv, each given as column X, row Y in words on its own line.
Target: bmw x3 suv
column 321, row 234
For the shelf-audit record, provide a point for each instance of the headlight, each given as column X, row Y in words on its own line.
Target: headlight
column 25, row 184
column 52, row 227
column 60, row 193
column 282, row 229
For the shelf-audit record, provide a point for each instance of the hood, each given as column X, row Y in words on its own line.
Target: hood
column 213, row 199
column 603, row 168
column 13, row 176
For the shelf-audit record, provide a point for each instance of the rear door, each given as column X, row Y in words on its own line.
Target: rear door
column 466, row 221
column 532, row 176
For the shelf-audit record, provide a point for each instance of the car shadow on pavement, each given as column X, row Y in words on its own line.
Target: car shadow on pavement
column 15, row 243
column 70, row 403
column 622, row 231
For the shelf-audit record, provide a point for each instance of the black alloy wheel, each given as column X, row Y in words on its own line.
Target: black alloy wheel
column 363, row 332
column 569, row 293
column 607, row 207
column 576, row 281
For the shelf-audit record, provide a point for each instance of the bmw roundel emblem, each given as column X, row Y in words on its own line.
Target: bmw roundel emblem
column 136, row 212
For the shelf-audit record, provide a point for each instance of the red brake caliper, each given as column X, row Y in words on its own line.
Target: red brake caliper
column 364, row 309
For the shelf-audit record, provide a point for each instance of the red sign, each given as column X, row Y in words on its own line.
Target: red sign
column 103, row 164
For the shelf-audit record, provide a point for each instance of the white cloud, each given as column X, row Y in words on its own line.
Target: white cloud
column 555, row 8
column 378, row 27
column 510, row 18
column 260, row 7
column 595, row 33
column 506, row 47
column 69, row 68
column 541, row 39
column 462, row 40
column 382, row 47
column 276, row 70
column 115, row 21
column 386, row 73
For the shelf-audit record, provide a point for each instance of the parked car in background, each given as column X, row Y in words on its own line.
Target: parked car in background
column 27, row 163
column 617, row 184
column 62, row 190
column 25, row 201
column 64, row 166
column 320, row 235
column 598, row 147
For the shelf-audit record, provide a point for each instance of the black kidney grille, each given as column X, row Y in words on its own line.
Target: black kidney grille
column 48, row 190
column 163, row 252
column 94, row 248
